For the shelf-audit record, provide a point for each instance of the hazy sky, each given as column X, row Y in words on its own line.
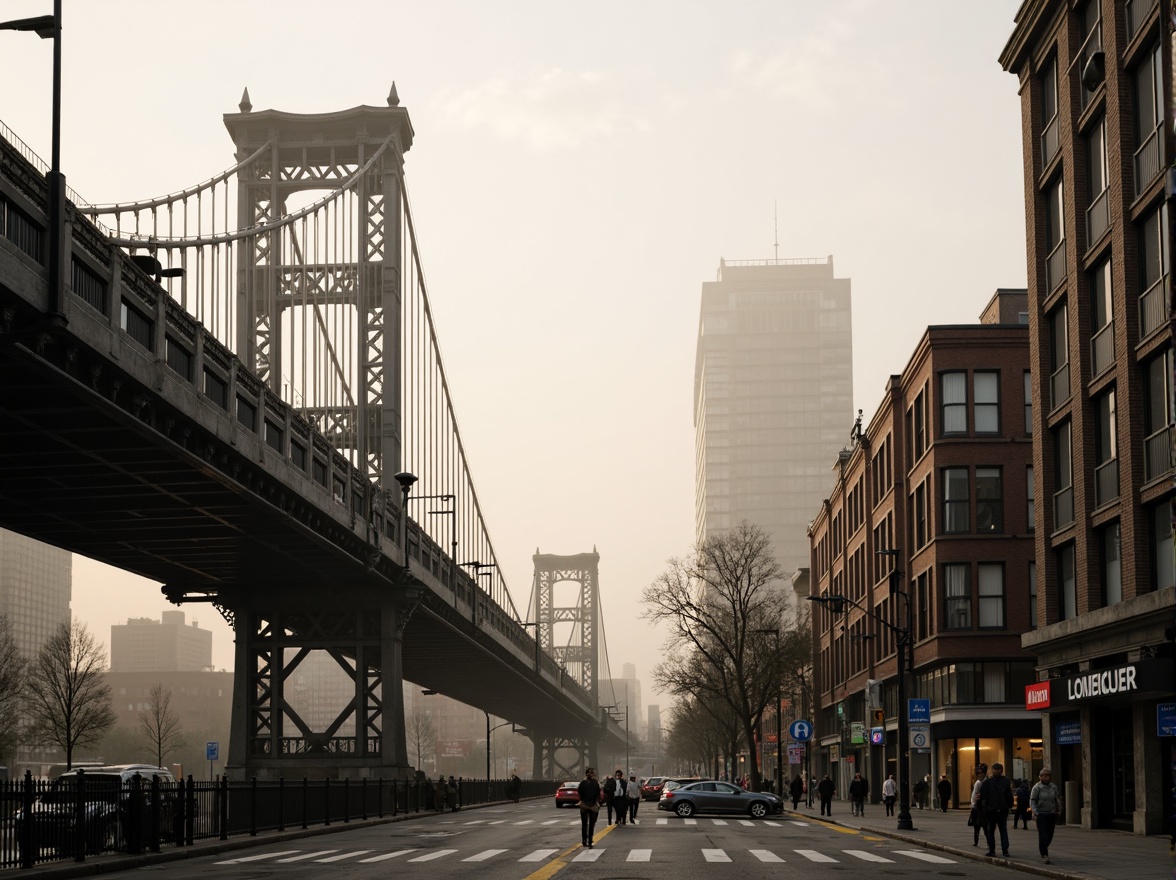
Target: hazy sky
column 578, row 170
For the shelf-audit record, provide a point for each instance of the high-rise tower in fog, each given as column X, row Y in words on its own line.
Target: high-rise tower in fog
column 36, row 581
column 773, row 397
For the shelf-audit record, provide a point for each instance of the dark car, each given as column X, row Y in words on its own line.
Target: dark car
column 568, row 793
column 718, row 797
column 108, row 803
column 651, row 789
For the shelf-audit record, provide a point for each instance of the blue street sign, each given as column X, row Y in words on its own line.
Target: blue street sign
column 801, row 731
column 919, row 711
column 1166, row 719
column 212, row 751
column 1068, row 733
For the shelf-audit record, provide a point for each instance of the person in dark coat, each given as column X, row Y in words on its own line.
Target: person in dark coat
column 944, row 789
column 1021, row 803
column 825, row 791
column 515, row 787
column 796, row 789
column 590, row 798
column 996, row 799
column 859, row 790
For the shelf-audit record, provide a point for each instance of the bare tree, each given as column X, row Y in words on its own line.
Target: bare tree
column 719, row 602
column 68, row 698
column 159, row 725
column 12, row 682
column 422, row 735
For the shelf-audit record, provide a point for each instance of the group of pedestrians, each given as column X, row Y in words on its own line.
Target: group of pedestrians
column 993, row 798
column 618, row 795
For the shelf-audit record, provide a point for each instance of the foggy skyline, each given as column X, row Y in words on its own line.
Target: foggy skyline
column 577, row 173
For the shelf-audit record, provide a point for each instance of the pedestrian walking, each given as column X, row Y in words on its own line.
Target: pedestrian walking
column 920, row 793
column 515, row 787
column 610, row 790
column 1044, row 802
column 976, row 816
column 859, row 789
column 590, row 798
column 944, row 790
column 796, row 788
column 889, row 794
column 440, row 794
column 620, row 800
column 454, row 797
column 996, row 796
column 1021, row 804
column 633, row 795
column 825, row 791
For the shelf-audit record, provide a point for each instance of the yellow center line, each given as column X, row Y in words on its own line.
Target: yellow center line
column 559, row 862
column 843, row 830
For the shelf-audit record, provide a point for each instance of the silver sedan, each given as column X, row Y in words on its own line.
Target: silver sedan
column 718, row 797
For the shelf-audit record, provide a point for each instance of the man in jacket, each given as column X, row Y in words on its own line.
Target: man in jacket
column 996, row 798
column 859, row 789
column 825, row 791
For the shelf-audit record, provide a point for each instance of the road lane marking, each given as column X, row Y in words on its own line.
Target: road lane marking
column 550, row 822
column 772, row 824
column 639, row 855
column 273, row 855
column 346, row 855
column 663, row 821
column 689, row 821
column 589, row 855
column 525, row 822
column 539, row 855
column 926, row 857
column 309, row 855
column 746, row 822
column 428, row 857
column 502, row 821
column 813, row 856
column 383, row 857
column 867, row 856
column 765, row 855
column 719, row 821
column 715, row 855
column 485, row 854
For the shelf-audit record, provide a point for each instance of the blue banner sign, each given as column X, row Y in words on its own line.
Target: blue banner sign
column 1068, row 733
column 1166, row 719
column 919, row 711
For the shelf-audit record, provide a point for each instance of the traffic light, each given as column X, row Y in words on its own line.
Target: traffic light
column 879, row 717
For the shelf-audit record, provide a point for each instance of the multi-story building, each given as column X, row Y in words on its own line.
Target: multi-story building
column 164, row 645
column 928, row 526
column 773, row 397
column 1094, row 79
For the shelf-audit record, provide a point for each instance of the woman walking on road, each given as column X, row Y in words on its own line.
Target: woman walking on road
column 590, row 797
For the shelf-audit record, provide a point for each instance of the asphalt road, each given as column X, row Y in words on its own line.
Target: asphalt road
column 536, row 841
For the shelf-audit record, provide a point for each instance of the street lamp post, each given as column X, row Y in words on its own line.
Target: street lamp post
column 625, row 709
column 836, row 604
column 779, row 732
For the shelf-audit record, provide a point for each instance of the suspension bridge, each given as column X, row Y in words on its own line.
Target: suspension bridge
column 240, row 394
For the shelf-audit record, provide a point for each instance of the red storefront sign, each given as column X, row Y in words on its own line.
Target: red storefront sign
column 1037, row 696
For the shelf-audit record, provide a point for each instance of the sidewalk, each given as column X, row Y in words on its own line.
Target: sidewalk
column 1075, row 854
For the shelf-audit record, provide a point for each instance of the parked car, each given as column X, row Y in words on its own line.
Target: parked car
column 717, row 797
column 106, row 808
column 568, row 793
column 651, row 789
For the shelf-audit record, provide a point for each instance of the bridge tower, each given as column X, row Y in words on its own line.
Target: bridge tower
column 338, row 287
column 318, row 320
column 567, row 613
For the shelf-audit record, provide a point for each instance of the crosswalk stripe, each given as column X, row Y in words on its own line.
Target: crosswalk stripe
column 550, row 822
column 719, row 821
column 813, row 856
column 538, row 855
column 485, row 854
column 689, row 821
column 926, row 857
column 663, row 821
column 475, row 821
column 341, row 857
column 802, row 824
column 639, row 855
column 503, row 821
column 715, row 855
column 588, row 855
column 746, row 822
column 867, row 856
column 525, row 822
column 765, row 855
column 273, row 855
column 772, row 824
column 304, row 856
column 383, row 857
column 428, row 857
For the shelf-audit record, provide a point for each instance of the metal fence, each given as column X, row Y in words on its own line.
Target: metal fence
column 43, row 821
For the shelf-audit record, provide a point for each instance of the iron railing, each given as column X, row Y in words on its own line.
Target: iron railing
column 75, row 823
column 1147, row 159
column 1049, row 141
column 1106, row 482
column 1059, row 386
column 1153, row 311
column 1055, row 266
column 1102, row 349
column 1137, row 13
column 1157, row 453
column 1063, row 507
column 1097, row 220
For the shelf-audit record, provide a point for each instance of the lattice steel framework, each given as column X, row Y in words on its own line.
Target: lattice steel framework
column 578, row 653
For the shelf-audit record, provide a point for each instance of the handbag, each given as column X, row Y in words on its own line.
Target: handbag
column 973, row 817
column 595, row 808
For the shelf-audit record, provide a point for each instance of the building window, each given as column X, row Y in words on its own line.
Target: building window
column 991, row 595
column 919, row 424
column 1102, row 329
column 1097, row 215
column 957, row 597
column 1059, row 357
column 1153, row 254
column 1160, row 544
column 986, row 396
column 1049, row 111
column 1055, row 236
column 1157, row 416
column 1067, row 586
column 1029, row 403
column 1063, row 477
column 1110, row 564
column 923, row 606
column 1149, row 118
column 1030, row 496
column 1106, row 449
column 954, row 394
column 989, row 501
column 1032, row 595
column 955, row 500
column 919, row 515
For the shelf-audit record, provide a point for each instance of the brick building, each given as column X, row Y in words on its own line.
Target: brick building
column 942, row 476
column 1094, row 76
